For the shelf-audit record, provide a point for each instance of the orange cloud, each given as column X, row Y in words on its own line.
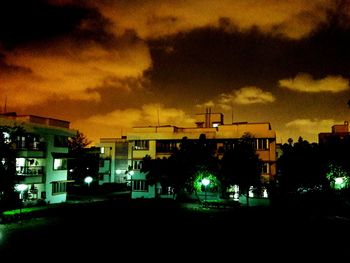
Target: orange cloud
column 305, row 83
column 151, row 19
column 119, row 122
column 69, row 70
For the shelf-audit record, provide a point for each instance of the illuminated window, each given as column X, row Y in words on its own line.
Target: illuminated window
column 102, row 149
column 6, row 136
column 59, row 187
column 262, row 144
column 60, row 164
column 137, row 164
column 141, row 145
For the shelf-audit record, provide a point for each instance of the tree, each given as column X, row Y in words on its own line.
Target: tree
column 78, row 142
column 8, row 136
column 83, row 161
column 181, row 168
column 241, row 165
column 300, row 165
column 193, row 156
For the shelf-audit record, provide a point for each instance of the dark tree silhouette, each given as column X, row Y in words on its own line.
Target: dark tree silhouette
column 82, row 161
column 180, row 169
column 241, row 165
column 78, row 142
column 8, row 136
column 300, row 165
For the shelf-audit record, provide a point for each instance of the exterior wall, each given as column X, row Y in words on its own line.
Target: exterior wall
column 221, row 134
column 115, row 160
column 45, row 129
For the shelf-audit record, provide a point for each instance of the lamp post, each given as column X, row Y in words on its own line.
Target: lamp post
column 21, row 188
column 88, row 180
column 205, row 182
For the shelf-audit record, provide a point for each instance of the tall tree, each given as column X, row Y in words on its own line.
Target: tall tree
column 83, row 161
column 241, row 165
column 78, row 142
column 193, row 156
column 300, row 166
column 181, row 168
column 8, row 136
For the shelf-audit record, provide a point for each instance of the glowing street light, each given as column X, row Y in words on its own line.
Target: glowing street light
column 88, row 180
column 205, row 182
column 20, row 188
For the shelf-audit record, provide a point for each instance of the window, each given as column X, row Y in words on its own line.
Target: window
column 102, row 150
column 60, row 164
column 7, row 138
column 165, row 146
column 141, row 145
column 60, row 141
column 265, row 168
column 59, row 187
column 139, row 185
column 137, row 164
column 262, row 144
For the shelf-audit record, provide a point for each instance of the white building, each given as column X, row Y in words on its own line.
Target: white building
column 159, row 141
column 41, row 156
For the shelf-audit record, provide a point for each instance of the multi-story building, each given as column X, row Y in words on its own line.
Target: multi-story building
column 159, row 141
column 113, row 160
column 338, row 134
column 41, row 156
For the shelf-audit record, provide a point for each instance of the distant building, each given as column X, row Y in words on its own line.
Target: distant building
column 113, row 160
column 160, row 141
column 339, row 133
column 41, row 155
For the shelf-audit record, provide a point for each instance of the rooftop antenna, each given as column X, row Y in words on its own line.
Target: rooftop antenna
column 231, row 112
column 158, row 116
column 5, row 108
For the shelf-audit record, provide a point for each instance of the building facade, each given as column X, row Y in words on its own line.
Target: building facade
column 122, row 158
column 113, row 160
column 41, row 156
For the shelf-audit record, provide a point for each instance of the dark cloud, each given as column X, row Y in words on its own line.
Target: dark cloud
column 24, row 21
column 6, row 68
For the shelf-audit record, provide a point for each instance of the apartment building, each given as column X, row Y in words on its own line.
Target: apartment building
column 159, row 141
column 113, row 160
column 41, row 156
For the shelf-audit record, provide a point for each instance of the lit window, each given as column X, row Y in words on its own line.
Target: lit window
column 60, row 164
column 141, row 145
column 102, row 149
column 6, row 137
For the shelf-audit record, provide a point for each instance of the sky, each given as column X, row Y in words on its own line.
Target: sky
column 109, row 65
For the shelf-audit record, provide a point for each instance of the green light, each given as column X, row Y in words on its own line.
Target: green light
column 205, row 181
column 339, row 180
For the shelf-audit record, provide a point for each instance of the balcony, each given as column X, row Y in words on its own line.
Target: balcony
column 30, row 174
column 30, row 170
column 30, row 149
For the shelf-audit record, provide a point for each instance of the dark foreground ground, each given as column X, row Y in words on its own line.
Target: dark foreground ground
column 151, row 230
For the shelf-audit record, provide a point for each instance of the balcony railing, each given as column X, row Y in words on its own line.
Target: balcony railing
column 30, row 170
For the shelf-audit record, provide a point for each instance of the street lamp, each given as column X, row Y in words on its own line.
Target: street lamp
column 21, row 188
column 205, row 182
column 88, row 180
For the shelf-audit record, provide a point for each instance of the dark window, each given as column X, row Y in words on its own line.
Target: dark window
column 59, row 187
column 60, row 141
